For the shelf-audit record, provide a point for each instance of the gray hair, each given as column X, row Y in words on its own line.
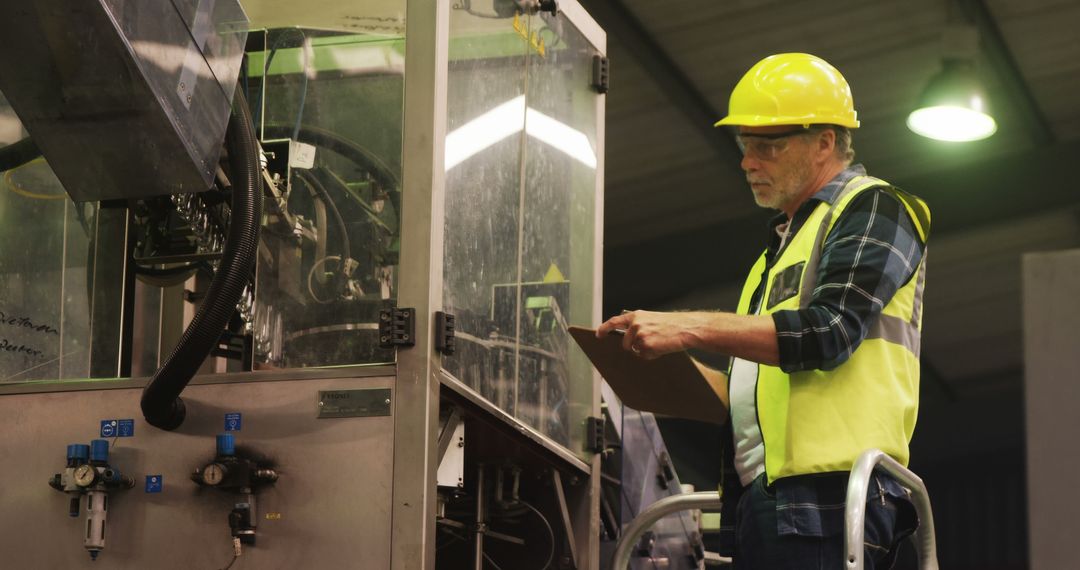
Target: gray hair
column 845, row 151
column 844, row 147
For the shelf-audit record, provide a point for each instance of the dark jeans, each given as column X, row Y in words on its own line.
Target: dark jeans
column 760, row 546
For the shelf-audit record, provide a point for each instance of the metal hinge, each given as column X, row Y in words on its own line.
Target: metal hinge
column 600, row 74
column 397, row 327
column 594, row 434
column 664, row 471
column 444, row 332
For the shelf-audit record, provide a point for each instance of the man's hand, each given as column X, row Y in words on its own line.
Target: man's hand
column 652, row 335
column 649, row 334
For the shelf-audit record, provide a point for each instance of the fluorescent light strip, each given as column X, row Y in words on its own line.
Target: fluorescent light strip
column 484, row 131
column 506, row 120
column 561, row 136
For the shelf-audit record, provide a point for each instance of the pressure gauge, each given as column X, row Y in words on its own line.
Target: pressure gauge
column 84, row 475
column 213, row 474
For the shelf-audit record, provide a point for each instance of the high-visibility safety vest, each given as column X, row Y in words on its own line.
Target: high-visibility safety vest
column 819, row 421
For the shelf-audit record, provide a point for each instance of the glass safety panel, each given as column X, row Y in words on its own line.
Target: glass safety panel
column 558, row 244
column 520, row 215
column 105, row 290
column 326, row 83
column 485, row 112
column 59, row 267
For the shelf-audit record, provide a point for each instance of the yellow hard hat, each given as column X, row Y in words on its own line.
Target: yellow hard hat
column 791, row 89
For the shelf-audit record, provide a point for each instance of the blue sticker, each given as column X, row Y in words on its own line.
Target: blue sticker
column 153, row 483
column 108, row 428
column 126, row 428
column 233, row 421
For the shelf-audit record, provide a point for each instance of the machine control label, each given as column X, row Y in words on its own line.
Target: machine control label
column 153, row 483
column 354, row 403
column 301, row 155
column 118, row 428
column 233, row 421
column 126, row 428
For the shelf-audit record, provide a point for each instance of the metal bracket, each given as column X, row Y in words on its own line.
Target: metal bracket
column 594, row 435
column 600, row 74
column 560, row 496
column 397, row 327
column 444, row 332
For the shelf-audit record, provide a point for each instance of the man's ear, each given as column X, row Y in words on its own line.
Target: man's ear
column 826, row 144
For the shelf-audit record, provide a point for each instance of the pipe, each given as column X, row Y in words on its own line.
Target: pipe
column 161, row 403
column 655, row 512
column 18, row 153
column 319, row 192
column 321, row 235
column 855, row 512
column 481, row 521
column 381, row 171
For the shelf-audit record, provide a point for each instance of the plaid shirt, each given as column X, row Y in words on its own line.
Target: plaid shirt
column 872, row 251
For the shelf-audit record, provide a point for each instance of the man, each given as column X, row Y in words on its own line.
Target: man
column 825, row 341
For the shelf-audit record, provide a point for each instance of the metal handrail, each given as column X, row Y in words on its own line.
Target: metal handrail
column 654, row 512
column 855, row 511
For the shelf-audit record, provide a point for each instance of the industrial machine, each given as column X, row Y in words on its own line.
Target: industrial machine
column 300, row 272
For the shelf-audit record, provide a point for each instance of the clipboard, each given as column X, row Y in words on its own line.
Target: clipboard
column 671, row 385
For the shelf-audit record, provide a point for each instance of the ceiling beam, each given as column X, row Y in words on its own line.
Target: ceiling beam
column 655, row 272
column 620, row 23
column 1005, row 67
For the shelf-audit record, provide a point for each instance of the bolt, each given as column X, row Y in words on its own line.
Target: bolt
column 386, row 401
column 321, row 404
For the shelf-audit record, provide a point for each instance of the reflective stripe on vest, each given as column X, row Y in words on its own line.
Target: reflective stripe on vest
column 887, row 327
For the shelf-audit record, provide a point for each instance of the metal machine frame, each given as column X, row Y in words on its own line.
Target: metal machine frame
column 420, row 378
column 421, row 388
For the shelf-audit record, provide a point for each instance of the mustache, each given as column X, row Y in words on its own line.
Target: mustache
column 758, row 180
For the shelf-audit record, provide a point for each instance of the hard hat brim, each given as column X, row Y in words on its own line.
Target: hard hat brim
column 767, row 121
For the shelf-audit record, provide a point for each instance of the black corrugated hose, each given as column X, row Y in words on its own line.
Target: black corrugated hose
column 17, row 154
column 161, row 403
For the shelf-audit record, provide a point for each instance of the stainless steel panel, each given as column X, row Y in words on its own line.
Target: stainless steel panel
column 330, row 508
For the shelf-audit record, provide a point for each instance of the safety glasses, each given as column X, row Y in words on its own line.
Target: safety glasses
column 767, row 146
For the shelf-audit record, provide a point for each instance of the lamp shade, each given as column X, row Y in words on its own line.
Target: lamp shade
column 954, row 106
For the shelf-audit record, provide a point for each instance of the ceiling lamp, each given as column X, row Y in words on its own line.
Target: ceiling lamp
column 953, row 107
